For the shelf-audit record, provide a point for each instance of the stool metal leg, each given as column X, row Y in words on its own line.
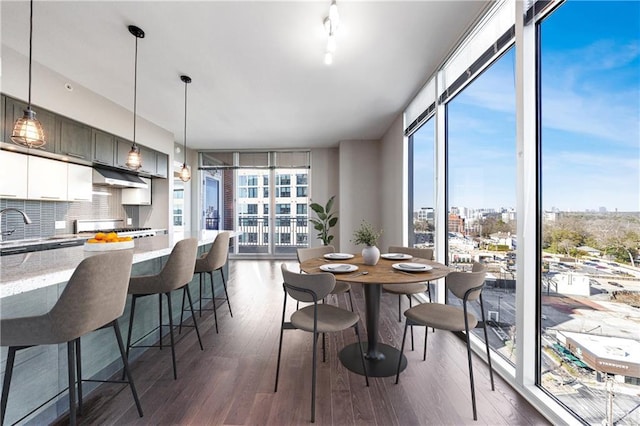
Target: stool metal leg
column 11, row 357
column 79, row 373
column 213, row 300
column 195, row 323
column 182, row 312
column 71, row 364
column 224, row 284
column 127, row 371
column 173, row 350
column 160, row 318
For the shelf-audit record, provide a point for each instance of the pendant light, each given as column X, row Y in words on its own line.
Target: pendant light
column 185, row 174
column 27, row 130
column 134, row 159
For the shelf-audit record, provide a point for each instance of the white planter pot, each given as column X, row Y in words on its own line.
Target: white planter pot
column 370, row 255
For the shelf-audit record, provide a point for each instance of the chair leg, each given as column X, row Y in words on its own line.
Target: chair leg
column 173, row 349
column 195, row 323
column 182, row 312
column 404, row 338
column 313, row 377
column 424, row 353
column 364, row 364
column 213, row 301
column 284, row 309
column 399, row 308
column 324, row 348
column 71, row 365
column 11, row 357
column 160, row 318
column 350, row 300
column 200, row 301
column 410, row 306
column 79, row 373
column 224, row 284
column 473, row 391
column 133, row 310
column 127, row 371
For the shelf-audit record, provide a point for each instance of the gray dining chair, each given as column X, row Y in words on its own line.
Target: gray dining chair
column 176, row 274
column 93, row 298
column 468, row 287
column 314, row 252
column 316, row 318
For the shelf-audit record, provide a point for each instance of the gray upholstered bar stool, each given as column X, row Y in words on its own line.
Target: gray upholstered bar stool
column 214, row 260
column 94, row 298
column 176, row 274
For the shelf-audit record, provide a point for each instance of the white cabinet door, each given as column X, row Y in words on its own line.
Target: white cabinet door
column 13, row 175
column 138, row 196
column 47, row 179
column 79, row 185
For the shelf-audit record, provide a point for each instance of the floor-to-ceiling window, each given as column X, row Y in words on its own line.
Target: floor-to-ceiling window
column 590, row 193
column 481, row 192
column 422, row 185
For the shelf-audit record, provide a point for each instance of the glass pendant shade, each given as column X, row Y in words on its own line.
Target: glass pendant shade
column 185, row 174
column 134, row 159
column 28, row 131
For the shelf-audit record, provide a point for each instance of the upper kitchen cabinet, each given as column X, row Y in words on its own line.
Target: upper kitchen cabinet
column 104, row 147
column 75, row 139
column 123, row 147
column 14, row 109
column 148, row 160
column 13, row 175
column 79, row 186
column 47, row 179
column 162, row 164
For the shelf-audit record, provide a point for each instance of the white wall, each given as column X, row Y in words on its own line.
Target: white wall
column 323, row 183
column 394, row 186
column 360, row 189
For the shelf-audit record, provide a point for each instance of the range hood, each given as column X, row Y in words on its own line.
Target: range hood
column 117, row 179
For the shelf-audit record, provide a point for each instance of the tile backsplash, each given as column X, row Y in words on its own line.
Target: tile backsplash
column 106, row 204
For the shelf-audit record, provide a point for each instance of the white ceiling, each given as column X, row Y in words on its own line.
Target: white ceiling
column 257, row 66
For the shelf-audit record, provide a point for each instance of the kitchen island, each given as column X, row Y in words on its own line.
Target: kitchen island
column 31, row 283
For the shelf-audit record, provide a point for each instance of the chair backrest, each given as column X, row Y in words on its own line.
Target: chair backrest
column 321, row 284
column 217, row 256
column 422, row 253
column 313, row 252
column 94, row 296
column 461, row 282
column 178, row 270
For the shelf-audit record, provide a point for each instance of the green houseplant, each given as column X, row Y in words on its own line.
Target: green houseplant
column 326, row 219
column 368, row 236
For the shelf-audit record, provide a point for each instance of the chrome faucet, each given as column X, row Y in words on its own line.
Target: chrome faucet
column 26, row 218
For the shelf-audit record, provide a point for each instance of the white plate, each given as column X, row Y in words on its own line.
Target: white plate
column 412, row 267
column 109, row 246
column 338, row 256
column 396, row 256
column 339, row 267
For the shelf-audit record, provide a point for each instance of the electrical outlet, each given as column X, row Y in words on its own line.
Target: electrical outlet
column 61, row 224
column 129, row 221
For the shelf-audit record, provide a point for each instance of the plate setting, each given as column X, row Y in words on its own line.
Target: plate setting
column 339, row 268
column 396, row 256
column 338, row 256
column 412, row 267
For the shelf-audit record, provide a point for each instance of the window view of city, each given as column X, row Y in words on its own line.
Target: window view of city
column 590, row 140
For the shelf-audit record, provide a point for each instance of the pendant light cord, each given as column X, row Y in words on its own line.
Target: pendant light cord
column 30, row 48
column 185, row 123
column 135, row 91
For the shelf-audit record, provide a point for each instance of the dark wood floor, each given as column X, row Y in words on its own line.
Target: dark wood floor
column 231, row 381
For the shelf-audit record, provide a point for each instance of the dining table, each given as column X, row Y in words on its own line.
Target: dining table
column 381, row 360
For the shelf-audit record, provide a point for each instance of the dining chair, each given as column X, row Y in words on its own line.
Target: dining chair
column 316, row 318
column 468, row 287
column 413, row 288
column 305, row 254
column 176, row 274
column 94, row 298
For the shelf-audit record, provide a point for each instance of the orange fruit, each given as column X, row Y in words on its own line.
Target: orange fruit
column 112, row 235
column 100, row 236
column 92, row 240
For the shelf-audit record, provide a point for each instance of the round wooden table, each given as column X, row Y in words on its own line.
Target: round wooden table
column 381, row 359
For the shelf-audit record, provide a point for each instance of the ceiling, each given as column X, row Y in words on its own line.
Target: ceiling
column 257, row 66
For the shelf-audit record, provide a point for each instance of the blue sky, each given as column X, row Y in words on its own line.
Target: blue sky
column 590, row 118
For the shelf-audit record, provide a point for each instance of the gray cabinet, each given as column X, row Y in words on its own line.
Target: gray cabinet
column 148, row 160
column 75, row 139
column 162, row 164
column 123, row 147
column 14, row 109
column 104, row 148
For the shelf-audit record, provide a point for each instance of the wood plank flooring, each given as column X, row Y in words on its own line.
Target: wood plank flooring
column 231, row 382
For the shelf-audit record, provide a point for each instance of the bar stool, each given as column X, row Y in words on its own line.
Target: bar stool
column 94, row 298
column 212, row 261
column 175, row 275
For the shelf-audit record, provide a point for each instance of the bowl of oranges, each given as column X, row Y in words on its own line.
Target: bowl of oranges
column 105, row 241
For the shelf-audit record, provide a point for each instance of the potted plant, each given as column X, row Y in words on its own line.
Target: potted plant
column 325, row 221
column 368, row 236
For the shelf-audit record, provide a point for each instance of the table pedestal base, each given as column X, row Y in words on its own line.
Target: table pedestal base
column 384, row 366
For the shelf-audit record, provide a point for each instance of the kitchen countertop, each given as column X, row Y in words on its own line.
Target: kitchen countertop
column 30, row 271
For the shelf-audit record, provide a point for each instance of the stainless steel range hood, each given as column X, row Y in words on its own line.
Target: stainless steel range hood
column 117, row 179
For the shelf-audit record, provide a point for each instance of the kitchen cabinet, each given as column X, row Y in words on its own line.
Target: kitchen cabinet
column 75, row 139
column 123, row 147
column 79, row 182
column 104, row 146
column 13, row 175
column 137, row 196
column 148, row 160
column 162, row 164
column 14, row 109
column 47, row 179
